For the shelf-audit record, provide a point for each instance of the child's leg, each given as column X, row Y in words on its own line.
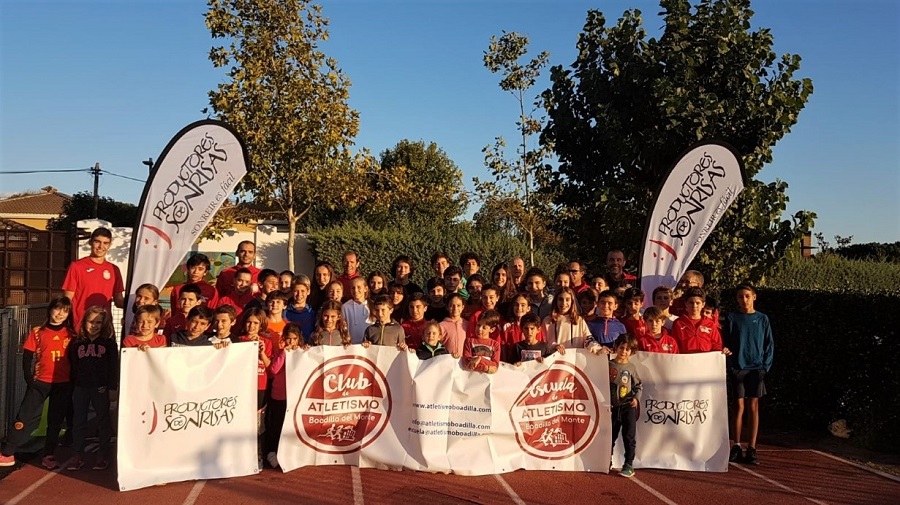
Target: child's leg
column 753, row 420
column 738, row 420
column 629, row 431
column 100, row 401
column 616, row 426
column 80, row 403
column 275, row 420
column 28, row 417
column 60, row 399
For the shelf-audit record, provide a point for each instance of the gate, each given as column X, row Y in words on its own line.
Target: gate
column 15, row 323
column 33, row 265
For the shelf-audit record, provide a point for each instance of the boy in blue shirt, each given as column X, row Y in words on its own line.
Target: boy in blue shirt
column 748, row 335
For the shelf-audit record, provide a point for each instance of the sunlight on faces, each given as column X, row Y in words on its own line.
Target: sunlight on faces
column 564, row 303
column 251, row 326
column 197, row 326
column 530, row 333
column 536, row 285
column 662, row 300
column 575, row 272
column 330, row 319
column 275, row 306
column 146, row 324
column 520, row 307
column 223, row 324
column 436, row 293
column 246, row 253
column 359, row 290
column 197, row 273
column 452, row 282
column 693, row 307
column 633, row 306
column 623, row 352
column 376, row 283
column 470, row 267
column 335, row 292
column 350, row 263
column 397, row 295
column 95, row 323
column 517, row 267
column 489, row 299
column 690, row 280
column 100, row 246
column 474, row 288
column 606, row 306
column 599, row 283
column 484, row 331
column 382, row 313
column 58, row 315
column 654, row 326
column 144, row 297
column 417, row 310
column 269, row 284
column 455, row 308
column 433, row 335
column 440, row 265
column 284, row 282
column 300, row 294
column 500, row 277
column 187, row 301
column 242, row 282
column 291, row 340
column 403, row 270
column 323, row 276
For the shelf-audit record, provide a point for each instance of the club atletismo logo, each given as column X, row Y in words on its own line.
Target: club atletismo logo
column 344, row 406
column 555, row 417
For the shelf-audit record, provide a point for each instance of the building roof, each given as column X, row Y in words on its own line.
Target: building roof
column 9, row 224
column 47, row 201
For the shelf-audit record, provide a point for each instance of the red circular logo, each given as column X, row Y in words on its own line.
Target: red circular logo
column 555, row 417
column 344, row 406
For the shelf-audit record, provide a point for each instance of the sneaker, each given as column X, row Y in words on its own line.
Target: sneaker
column 750, row 457
column 49, row 462
column 75, row 464
column 7, row 460
column 272, row 458
column 101, row 464
column 736, row 454
column 627, row 471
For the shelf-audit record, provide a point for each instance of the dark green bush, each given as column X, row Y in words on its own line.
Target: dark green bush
column 836, row 356
column 377, row 248
column 829, row 272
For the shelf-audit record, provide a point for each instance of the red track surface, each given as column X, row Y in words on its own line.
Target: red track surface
column 786, row 477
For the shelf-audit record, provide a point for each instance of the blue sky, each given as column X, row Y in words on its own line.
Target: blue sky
column 112, row 81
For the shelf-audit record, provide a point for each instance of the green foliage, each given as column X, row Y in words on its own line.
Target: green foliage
column 377, row 248
column 519, row 194
column 872, row 251
column 81, row 206
column 631, row 104
column 832, row 273
column 835, row 355
column 289, row 102
column 415, row 182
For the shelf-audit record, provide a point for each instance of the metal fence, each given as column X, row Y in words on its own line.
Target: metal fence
column 15, row 323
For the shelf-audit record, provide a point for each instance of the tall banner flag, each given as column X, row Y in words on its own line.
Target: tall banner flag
column 190, row 181
column 184, row 416
column 694, row 195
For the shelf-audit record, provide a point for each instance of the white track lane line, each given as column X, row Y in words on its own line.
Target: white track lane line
column 857, row 465
column 509, row 490
column 652, row 491
column 38, row 483
column 357, row 485
column 195, row 493
column 777, row 484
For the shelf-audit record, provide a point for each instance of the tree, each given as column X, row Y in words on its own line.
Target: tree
column 81, row 206
column 289, row 102
column 516, row 182
column 631, row 104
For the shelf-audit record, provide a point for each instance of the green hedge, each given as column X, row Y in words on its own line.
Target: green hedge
column 836, row 357
column 378, row 248
column 832, row 273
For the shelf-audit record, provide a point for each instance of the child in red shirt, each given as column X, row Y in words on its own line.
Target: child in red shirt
column 146, row 323
column 656, row 338
column 693, row 332
column 481, row 353
column 634, row 323
column 45, row 347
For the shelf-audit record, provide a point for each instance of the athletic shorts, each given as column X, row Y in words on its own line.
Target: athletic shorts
column 748, row 383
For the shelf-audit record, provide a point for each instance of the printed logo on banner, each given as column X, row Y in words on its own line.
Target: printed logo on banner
column 191, row 415
column 676, row 412
column 344, row 405
column 555, row 417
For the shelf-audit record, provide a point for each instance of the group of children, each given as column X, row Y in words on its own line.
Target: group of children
column 511, row 320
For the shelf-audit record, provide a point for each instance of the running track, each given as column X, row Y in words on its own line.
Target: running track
column 786, row 477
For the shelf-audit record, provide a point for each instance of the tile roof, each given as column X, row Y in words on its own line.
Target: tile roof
column 9, row 224
column 47, row 201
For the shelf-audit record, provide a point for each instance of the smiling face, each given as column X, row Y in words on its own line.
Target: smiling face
column 489, row 299
column 606, row 306
column 300, row 293
column 100, row 246
column 197, row 326
column 382, row 313
column 146, row 324
column 564, row 303
column 58, row 315
column 323, row 276
column 520, row 307
column 376, row 283
column 94, row 324
column 576, row 272
column 246, row 253
column 500, row 277
column 223, row 324
column 330, row 319
column 517, row 268
column 351, row 263
column 615, row 262
column 599, row 283
column 432, row 335
column 335, row 291
column 417, row 310
column 242, row 282
column 455, row 308
column 359, row 290
column 144, row 297
column 252, row 325
column 284, row 282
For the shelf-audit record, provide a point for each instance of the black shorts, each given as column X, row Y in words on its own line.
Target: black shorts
column 748, row 383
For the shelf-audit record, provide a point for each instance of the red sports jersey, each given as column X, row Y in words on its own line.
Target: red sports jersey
column 665, row 344
column 175, row 322
column 635, row 327
column 92, row 284
column 261, row 367
column 132, row 341
column 414, row 331
column 49, row 348
column 696, row 335
column 488, row 349
column 208, row 292
column 238, row 301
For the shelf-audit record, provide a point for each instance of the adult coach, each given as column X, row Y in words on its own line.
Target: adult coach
column 616, row 276
column 244, row 257
column 92, row 280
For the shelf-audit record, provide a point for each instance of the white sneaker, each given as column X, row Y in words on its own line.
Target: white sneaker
column 272, row 458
